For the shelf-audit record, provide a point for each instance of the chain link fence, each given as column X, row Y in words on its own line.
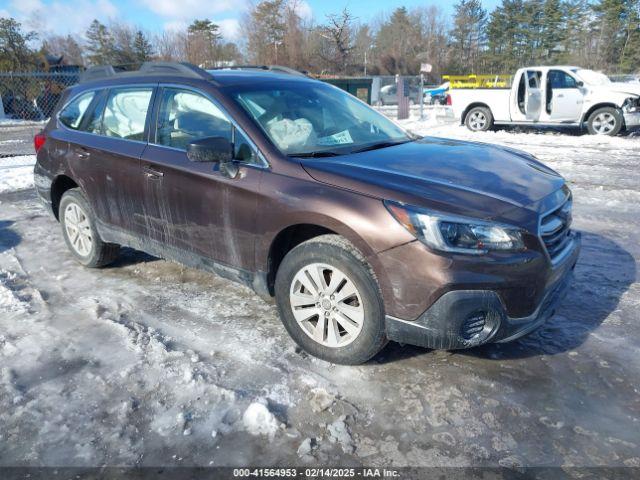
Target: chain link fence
column 32, row 96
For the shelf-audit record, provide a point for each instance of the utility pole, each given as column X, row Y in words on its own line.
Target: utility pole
column 365, row 63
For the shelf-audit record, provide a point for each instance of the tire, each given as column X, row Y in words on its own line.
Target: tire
column 605, row 121
column 335, row 257
column 76, row 217
column 479, row 119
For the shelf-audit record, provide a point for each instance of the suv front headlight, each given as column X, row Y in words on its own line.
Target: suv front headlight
column 449, row 233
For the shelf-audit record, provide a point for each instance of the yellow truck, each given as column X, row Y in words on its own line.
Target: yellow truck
column 478, row 81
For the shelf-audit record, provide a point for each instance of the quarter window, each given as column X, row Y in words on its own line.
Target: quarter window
column 93, row 123
column 71, row 115
column 126, row 113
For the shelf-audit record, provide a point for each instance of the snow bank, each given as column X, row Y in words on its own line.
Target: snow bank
column 16, row 173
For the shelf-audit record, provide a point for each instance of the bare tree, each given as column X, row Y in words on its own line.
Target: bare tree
column 294, row 37
column 340, row 42
column 171, row 45
column 65, row 46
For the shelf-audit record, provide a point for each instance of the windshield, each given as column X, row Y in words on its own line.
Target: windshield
column 591, row 77
column 316, row 119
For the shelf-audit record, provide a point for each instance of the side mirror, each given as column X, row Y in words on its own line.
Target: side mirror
column 580, row 83
column 210, row 149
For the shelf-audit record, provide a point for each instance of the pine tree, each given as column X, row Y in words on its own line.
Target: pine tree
column 611, row 17
column 100, row 45
column 15, row 53
column 552, row 32
column 504, row 36
column 398, row 42
column 630, row 57
column 577, row 42
column 142, row 49
column 204, row 39
column 468, row 34
column 267, row 30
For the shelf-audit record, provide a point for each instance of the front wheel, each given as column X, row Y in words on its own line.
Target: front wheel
column 479, row 119
column 330, row 302
column 605, row 121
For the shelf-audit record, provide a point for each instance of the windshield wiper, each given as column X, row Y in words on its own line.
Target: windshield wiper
column 313, row 154
column 377, row 146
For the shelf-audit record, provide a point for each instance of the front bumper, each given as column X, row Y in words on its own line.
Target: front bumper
column 632, row 119
column 467, row 318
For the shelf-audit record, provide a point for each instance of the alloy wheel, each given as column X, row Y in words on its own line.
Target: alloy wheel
column 477, row 121
column 78, row 229
column 327, row 305
column 604, row 123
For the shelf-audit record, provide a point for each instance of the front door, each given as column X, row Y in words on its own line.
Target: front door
column 564, row 97
column 194, row 207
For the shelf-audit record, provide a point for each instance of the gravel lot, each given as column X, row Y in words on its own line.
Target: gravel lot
column 151, row 363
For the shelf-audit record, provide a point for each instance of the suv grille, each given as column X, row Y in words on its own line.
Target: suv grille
column 555, row 229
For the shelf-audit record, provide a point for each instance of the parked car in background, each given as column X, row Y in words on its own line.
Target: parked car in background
column 436, row 95
column 552, row 96
column 363, row 232
column 389, row 94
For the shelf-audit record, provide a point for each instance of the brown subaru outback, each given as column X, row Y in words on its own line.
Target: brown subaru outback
column 361, row 231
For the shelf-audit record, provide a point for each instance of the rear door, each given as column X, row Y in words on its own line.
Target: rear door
column 190, row 206
column 109, row 158
column 533, row 96
column 103, row 131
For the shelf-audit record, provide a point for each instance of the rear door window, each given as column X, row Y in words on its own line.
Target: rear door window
column 72, row 114
column 125, row 113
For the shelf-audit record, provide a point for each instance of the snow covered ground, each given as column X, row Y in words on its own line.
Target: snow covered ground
column 16, row 173
column 150, row 363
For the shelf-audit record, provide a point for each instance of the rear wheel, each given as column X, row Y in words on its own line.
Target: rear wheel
column 479, row 119
column 80, row 234
column 329, row 301
column 605, row 121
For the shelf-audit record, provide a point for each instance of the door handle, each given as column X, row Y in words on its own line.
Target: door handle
column 83, row 153
column 561, row 96
column 152, row 174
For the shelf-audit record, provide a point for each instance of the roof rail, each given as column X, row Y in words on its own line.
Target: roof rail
column 94, row 73
column 182, row 69
column 271, row 68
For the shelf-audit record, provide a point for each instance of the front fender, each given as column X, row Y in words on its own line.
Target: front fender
column 362, row 220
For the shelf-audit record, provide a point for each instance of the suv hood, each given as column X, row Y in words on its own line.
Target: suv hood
column 454, row 176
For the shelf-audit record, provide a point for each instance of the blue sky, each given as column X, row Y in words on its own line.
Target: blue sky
column 64, row 16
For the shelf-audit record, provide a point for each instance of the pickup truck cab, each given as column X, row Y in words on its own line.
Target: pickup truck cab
column 552, row 96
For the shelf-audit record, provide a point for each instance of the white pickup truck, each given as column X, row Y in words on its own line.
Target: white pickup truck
column 551, row 96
